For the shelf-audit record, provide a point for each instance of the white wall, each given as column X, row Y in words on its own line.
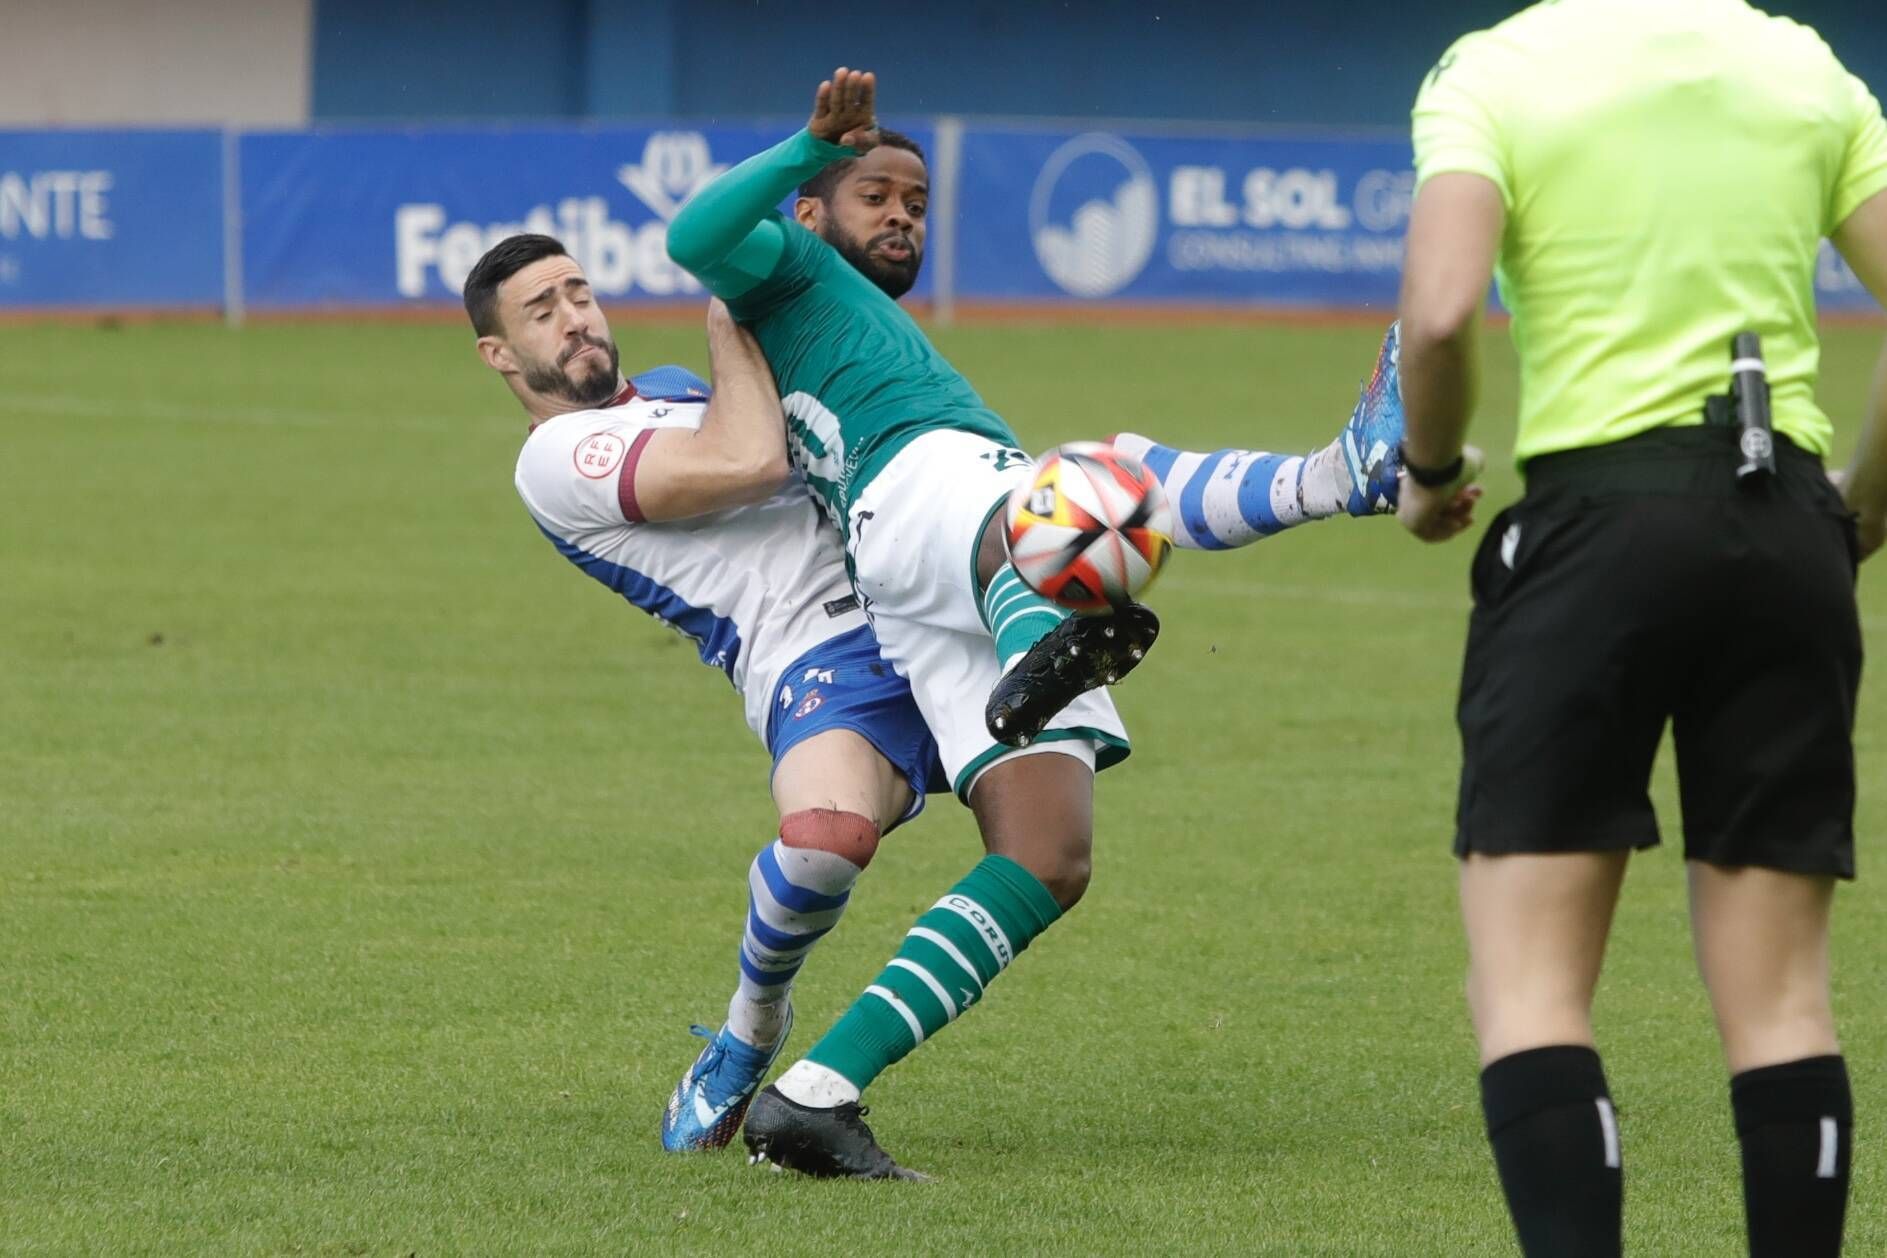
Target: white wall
column 154, row 62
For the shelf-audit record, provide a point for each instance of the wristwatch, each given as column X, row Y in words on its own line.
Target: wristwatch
column 1432, row 477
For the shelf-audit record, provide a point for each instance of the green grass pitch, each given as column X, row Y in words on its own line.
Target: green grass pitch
column 362, row 864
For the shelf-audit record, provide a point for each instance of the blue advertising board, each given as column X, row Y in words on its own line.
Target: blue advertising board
column 1119, row 216
column 1271, row 220
column 111, row 219
column 384, row 218
column 366, row 218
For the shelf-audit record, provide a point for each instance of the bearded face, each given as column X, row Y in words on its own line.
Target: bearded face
column 584, row 373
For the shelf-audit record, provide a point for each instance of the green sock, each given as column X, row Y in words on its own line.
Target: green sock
column 952, row 953
column 1016, row 616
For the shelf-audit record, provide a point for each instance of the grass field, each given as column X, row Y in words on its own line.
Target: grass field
column 362, row 865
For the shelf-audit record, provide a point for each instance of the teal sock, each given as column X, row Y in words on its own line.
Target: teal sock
column 1016, row 616
column 949, row 957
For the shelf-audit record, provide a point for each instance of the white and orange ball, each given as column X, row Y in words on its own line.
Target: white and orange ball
column 1090, row 528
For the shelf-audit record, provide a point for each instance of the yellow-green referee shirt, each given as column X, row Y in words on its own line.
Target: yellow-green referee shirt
column 1669, row 169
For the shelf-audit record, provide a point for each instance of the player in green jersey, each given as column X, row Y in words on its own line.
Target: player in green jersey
column 912, row 467
column 864, row 389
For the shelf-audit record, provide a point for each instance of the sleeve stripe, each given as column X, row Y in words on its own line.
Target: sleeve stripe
column 626, row 479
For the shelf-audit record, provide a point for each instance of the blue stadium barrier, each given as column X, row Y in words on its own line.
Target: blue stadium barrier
column 111, row 218
column 1037, row 214
column 385, row 218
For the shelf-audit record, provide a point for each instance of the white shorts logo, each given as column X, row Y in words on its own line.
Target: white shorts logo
column 1109, row 236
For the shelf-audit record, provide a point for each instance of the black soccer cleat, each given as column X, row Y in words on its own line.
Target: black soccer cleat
column 824, row 1143
column 1074, row 657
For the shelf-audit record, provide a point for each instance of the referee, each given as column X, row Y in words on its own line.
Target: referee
column 1653, row 178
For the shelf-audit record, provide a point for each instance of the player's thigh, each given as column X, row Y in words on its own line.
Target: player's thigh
column 1761, row 937
column 917, row 529
column 840, row 769
column 951, row 674
column 1536, row 928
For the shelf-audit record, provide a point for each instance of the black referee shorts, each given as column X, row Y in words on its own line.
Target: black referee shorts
column 1635, row 584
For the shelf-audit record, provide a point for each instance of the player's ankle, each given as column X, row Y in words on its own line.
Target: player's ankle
column 816, row 1087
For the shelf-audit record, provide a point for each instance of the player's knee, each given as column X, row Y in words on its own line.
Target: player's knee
column 1066, row 877
column 844, row 834
column 1061, row 863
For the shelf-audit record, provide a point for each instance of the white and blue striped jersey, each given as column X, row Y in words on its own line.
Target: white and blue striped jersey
column 754, row 587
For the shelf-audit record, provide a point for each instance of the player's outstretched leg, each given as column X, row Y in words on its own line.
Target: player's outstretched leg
column 1051, row 656
column 1228, row 498
column 797, row 888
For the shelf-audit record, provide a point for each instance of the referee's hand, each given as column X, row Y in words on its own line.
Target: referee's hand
column 1872, row 531
column 1871, row 527
column 1445, row 512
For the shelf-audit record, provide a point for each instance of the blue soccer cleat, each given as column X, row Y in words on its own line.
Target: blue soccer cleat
column 1372, row 440
column 709, row 1103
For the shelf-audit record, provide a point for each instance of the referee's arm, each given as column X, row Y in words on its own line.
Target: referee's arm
column 1454, row 237
column 1862, row 240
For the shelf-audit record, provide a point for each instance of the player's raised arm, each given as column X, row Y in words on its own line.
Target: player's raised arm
column 737, row 456
column 727, row 236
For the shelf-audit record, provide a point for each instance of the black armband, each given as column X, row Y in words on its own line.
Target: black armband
column 1435, row 477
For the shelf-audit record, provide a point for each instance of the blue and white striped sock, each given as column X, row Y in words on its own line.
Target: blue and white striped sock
column 1227, row 498
column 795, row 894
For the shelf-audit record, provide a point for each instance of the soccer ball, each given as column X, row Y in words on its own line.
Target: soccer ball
column 1090, row 527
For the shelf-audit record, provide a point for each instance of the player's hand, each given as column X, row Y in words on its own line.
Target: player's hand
column 1445, row 512
column 844, row 110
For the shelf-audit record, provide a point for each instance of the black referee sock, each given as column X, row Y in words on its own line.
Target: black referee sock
column 1555, row 1138
column 1794, row 1122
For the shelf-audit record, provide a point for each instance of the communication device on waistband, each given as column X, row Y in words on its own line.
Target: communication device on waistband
column 1749, row 395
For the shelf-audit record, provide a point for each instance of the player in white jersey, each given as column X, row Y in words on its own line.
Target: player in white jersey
column 684, row 505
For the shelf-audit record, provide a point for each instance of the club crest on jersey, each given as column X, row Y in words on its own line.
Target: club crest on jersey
column 599, row 454
column 808, row 705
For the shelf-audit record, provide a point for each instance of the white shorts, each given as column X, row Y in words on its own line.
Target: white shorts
column 915, row 530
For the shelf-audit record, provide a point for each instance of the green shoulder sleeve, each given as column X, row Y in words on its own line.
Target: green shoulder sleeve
column 727, row 236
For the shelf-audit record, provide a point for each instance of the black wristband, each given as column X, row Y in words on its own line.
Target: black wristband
column 1436, row 477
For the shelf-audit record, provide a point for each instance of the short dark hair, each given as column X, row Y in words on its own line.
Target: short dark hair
column 502, row 261
column 822, row 184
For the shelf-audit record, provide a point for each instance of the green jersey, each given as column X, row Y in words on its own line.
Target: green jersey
column 1669, row 170
column 858, row 378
